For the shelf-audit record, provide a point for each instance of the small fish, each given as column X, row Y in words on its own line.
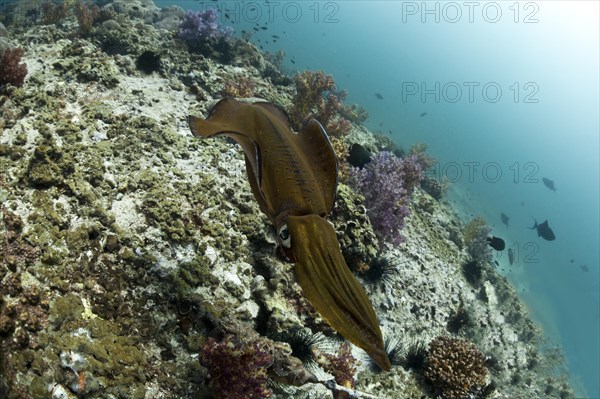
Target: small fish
column 292, row 61
column 572, row 260
column 275, row 36
column 379, row 96
column 226, row 15
column 585, row 268
column 544, row 230
column 263, row 27
column 548, row 183
column 358, row 156
column 496, row 262
column 511, row 256
column 255, row 29
column 423, row 114
column 496, row 243
column 504, row 219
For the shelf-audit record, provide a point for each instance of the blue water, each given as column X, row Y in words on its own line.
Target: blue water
column 533, row 112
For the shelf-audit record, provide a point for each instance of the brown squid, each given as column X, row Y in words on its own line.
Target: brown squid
column 293, row 177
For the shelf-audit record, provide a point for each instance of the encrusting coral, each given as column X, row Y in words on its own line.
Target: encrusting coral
column 455, row 367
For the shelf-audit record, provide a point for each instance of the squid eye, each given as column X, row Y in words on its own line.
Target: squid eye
column 284, row 236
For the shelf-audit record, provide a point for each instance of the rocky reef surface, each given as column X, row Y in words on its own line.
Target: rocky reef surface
column 129, row 247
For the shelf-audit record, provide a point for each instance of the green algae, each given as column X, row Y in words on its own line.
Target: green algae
column 83, row 62
column 37, row 100
column 125, row 36
column 20, row 139
column 9, row 156
column 38, row 387
column 113, row 362
column 97, row 110
column 194, row 273
column 5, row 150
column 69, row 131
column 166, row 213
column 47, row 213
column 88, row 181
column 49, row 166
column 45, row 132
column 65, row 310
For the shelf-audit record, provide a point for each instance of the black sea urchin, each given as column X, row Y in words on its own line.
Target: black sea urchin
column 393, row 348
column 381, row 270
column 415, row 356
column 303, row 343
column 460, row 320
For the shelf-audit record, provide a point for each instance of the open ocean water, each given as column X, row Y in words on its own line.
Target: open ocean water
column 504, row 94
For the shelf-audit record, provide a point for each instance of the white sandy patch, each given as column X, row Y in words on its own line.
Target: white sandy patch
column 155, row 98
column 126, row 215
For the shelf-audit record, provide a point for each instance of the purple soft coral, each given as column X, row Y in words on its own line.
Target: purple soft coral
column 387, row 183
column 198, row 26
